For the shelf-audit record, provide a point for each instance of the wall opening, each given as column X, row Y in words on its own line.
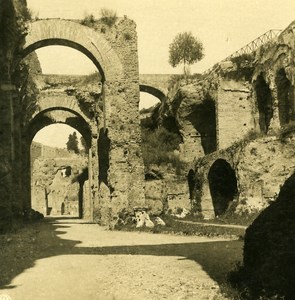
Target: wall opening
column 203, row 118
column 148, row 110
column 55, row 59
column 285, row 97
column 223, row 185
column 264, row 103
column 58, row 175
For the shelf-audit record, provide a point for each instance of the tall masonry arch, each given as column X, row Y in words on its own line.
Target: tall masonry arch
column 117, row 172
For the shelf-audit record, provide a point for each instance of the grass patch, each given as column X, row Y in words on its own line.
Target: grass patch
column 179, row 228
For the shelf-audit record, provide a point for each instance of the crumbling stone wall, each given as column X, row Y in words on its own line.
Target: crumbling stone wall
column 168, row 194
column 60, row 186
column 114, row 51
column 253, row 97
column 259, row 176
column 12, row 30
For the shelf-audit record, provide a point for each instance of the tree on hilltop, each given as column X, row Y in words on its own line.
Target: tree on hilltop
column 185, row 49
column 72, row 143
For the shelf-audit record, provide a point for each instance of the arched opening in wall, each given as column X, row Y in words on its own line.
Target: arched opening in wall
column 63, row 60
column 59, row 171
column 223, row 185
column 264, row 103
column 203, row 118
column 285, row 97
column 148, row 110
column 62, row 77
column 160, row 136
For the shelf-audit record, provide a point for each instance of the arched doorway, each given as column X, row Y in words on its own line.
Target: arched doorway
column 116, row 60
column 60, row 181
column 222, row 184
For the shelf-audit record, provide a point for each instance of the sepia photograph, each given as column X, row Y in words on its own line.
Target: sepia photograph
column 147, row 150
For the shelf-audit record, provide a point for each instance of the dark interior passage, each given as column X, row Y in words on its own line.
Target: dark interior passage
column 222, row 184
column 264, row 103
column 203, row 118
column 285, row 97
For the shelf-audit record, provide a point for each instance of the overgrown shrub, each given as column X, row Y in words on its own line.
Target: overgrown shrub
column 108, row 16
column 244, row 63
column 178, row 78
column 88, row 20
column 94, row 77
column 158, row 147
column 285, row 131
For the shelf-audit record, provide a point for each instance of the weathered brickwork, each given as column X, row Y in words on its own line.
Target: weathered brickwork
column 108, row 114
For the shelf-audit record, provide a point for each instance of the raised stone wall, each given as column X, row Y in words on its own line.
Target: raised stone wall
column 234, row 110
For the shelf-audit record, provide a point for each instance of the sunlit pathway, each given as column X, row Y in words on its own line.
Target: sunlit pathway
column 85, row 261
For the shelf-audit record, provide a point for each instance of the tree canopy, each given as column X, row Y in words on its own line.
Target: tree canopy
column 72, row 143
column 185, row 49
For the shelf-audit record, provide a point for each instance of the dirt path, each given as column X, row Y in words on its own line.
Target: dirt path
column 64, row 260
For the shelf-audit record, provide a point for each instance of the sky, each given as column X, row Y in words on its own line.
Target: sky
column 223, row 26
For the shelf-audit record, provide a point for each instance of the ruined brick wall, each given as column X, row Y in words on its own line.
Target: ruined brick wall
column 40, row 150
column 12, row 30
column 259, row 176
column 234, row 111
column 117, row 180
column 60, row 186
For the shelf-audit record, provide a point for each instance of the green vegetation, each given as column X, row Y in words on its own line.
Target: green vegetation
column 108, row 16
column 174, row 226
column 158, row 147
column 88, row 20
column 177, row 78
column 185, row 49
column 72, row 143
column 244, row 63
column 94, row 77
column 285, row 131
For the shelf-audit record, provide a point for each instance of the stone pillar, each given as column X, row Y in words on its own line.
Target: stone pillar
column 207, row 204
column 6, row 154
column 275, row 121
column 26, row 174
column 126, row 170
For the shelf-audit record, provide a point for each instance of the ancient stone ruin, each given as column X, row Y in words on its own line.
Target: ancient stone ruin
column 108, row 119
column 231, row 121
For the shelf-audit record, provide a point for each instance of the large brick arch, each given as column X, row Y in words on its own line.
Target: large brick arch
column 59, row 115
column 69, row 33
column 57, row 103
column 153, row 91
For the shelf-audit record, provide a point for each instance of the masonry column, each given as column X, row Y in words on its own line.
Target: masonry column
column 275, row 121
column 6, row 154
column 126, row 169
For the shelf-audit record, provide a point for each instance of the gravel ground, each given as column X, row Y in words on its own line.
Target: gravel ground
column 66, row 259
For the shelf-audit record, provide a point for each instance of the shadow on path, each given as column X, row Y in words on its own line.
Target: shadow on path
column 20, row 251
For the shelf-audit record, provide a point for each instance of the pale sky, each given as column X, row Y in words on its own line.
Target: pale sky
column 223, row 26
